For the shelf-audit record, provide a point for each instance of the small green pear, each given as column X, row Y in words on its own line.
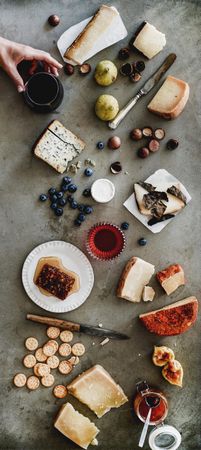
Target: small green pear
column 105, row 73
column 106, row 107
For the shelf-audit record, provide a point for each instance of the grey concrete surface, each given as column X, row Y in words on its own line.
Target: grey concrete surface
column 27, row 417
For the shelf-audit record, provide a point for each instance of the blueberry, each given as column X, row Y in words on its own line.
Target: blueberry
column 77, row 222
column 43, row 197
column 66, row 180
column 62, row 201
column 53, row 198
column 86, row 192
column 88, row 172
column 88, row 209
column 64, row 187
column 59, row 211
column 142, row 241
column 81, row 208
column 73, row 204
column 81, row 217
column 124, row 225
column 59, row 194
column 100, row 145
column 53, row 205
column 51, row 191
column 72, row 188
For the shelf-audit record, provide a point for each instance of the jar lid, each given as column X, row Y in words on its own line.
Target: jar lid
column 164, row 437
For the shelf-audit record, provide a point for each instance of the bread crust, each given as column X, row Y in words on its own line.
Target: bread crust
column 124, row 275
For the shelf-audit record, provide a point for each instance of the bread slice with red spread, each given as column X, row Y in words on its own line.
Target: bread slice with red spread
column 172, row 319
column 171, row 278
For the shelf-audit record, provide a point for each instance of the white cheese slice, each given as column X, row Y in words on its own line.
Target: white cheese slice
column 96, row 389
column 135, row 276
column 149, row 41
column 148, row 294
column 172, row 283
column 170, row 99
column 75, row 426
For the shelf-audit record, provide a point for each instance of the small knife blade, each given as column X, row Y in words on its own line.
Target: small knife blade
column 73, row 326
column 150, row 83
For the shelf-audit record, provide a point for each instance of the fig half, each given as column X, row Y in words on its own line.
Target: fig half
column 173, row 373
column 162, row 355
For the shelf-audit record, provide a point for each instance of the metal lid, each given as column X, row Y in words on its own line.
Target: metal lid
column 164, row 437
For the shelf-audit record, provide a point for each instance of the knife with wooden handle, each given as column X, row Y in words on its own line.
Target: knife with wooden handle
column 77, row 327
column 150, row 83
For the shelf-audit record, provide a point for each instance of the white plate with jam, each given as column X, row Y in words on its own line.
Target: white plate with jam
column 73, row 260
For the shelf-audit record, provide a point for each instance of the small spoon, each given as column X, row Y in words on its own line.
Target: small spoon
column 151, row 404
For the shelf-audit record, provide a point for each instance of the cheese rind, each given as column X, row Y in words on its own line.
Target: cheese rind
column 135, row 276
column 97, row 389
column 75, row 426
column 170, row 99
column 149, row 41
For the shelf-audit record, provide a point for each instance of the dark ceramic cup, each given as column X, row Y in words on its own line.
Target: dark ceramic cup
column 43, row 92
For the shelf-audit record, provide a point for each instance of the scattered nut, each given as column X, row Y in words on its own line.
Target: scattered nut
column 136, row 134
column 153, row 145
column 159, row 133
column 147, row 132
column 68, row 69
column 135, row 77
column 116, row 167
column 143, row 152
column 126, row 69
column 84, row 69
column 53, row 20
column 124, row 53
column 172, row 144
column 139, row 66
column 114, row 142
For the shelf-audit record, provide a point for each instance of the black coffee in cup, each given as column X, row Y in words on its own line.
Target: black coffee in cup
column 43, row 92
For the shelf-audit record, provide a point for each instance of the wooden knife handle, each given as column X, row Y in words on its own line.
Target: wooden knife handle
column 64, row 324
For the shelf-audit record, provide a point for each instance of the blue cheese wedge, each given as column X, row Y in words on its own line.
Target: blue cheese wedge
column 58, row 146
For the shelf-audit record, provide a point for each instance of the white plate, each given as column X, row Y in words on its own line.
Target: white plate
column 158, row 177
column 74, row 260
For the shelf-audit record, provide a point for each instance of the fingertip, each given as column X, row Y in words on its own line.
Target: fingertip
column 20, row 89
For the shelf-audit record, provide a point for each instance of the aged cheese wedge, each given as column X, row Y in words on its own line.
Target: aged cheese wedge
column 75, row 426
column 172, row 319
column 97, row 390
column 171, row 278
column 173, row 205
column 173, row 373
column 148, row 294
column 171, row 98
column 149, row 41
column 134, row 277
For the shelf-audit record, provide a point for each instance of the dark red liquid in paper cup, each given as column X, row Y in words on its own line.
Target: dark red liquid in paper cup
column 105, row 241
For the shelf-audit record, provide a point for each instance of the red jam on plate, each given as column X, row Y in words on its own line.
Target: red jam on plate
column 105, row 241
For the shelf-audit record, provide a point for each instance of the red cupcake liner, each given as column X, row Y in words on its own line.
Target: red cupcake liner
column 105, row 241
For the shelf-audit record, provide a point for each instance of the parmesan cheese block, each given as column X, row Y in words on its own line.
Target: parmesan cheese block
column 97, row 390
column 100, row 24
column 75, row 426
column 135, row 276
column 148, row 294
column 171, row 98
column 149, row 41
column 57, row 146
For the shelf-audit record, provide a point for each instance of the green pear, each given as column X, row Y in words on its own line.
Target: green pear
column 106, row 107
column 105, row 73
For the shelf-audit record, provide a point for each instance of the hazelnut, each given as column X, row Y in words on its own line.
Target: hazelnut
column 159, row 133
column 143, row 152
column 116, row 167
column 136, row 134
column 147, row 132
column 84, row 69
column 114, row 142
column 135, row 77
column 53, row 20
column 68, row 69
column 139, row 66
column 124, row 53
column 126, row 69
column 153, row 145
column 172, row 144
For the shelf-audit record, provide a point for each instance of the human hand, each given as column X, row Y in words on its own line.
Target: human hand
column 12, row 53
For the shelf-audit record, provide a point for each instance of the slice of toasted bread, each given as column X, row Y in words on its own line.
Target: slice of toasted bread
column 171, row 98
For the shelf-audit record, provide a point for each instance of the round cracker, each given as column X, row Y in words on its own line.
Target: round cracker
column 65, row 349
column 29, row 361
column 50, row 348
column 31, row 343
column 43, row 369
column 53, row 332
column 19, row 380
column 47, row 380
column 78, row 349
column 74, row 360
column 35, row 369
column 66, row 336
column 33, row 383
column 39, row 355
column 60, row 391
column 65, row 367
column 53, row 361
